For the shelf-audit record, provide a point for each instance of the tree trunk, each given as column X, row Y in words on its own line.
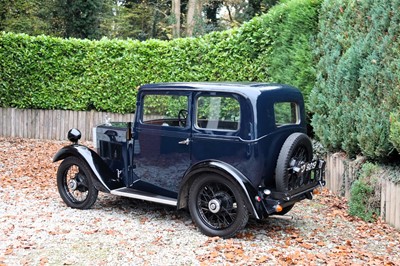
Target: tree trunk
column 176, row 16
column 193, row 24
column 211, row 11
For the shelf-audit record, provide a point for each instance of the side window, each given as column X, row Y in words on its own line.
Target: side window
column 218, row 113
column 286, row 113
column 165, row 110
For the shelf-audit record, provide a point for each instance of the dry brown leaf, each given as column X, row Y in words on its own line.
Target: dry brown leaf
column 214, row 254
column 307, row 246
column 43, row 261
column 155, row 241
column 9, row 251
column 230, row 255
column 111, row 232
column 239, row 251
column 262, row 259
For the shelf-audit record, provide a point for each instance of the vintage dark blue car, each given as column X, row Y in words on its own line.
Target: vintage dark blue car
column 224, row 151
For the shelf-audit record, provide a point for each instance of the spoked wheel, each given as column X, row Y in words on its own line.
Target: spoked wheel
column 74, row 182
column 217, row 206
column 296, row 150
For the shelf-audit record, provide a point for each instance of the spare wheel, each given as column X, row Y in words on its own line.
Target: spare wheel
column 296, row 149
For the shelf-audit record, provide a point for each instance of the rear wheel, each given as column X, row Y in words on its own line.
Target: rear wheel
column 296, row 150
column 74, row 182
column 217, row 206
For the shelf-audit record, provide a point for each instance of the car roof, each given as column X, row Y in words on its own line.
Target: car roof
column 262, row 97
column 246, row 88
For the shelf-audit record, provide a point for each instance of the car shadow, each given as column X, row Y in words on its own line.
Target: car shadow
column 270, row 226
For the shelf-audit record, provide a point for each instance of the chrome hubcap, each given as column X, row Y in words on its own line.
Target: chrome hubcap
column 72, row 184
column 214, row 205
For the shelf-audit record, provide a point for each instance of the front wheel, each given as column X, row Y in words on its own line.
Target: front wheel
column 217, row 206
column 74, row 182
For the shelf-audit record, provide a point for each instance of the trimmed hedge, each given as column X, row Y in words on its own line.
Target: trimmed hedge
column 51, row 73
column 358, row 75
column 294, row 27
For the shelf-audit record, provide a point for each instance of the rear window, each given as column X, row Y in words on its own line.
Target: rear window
column 218, row 113
column 286, row 113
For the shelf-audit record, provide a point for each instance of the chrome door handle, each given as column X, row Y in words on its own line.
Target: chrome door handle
column 184, row 142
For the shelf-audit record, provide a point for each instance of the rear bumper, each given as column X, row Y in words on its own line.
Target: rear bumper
column 315, row 173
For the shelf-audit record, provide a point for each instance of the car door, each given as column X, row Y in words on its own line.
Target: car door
column 222, row 131
column 162, row 139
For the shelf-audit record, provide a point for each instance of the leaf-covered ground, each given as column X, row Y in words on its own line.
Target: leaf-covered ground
column 36, row 228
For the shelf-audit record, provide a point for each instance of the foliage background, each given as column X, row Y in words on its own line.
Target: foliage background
column 355, row 97
column 358, row 76
column 52, row 73
column 122, row 19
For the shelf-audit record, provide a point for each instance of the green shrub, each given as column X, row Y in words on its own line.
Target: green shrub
column 52, row 73
column 365, row 194
column 395, row 129
column 358, row 75
column 291, row 57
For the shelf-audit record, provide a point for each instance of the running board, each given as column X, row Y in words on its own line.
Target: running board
column 143, row 195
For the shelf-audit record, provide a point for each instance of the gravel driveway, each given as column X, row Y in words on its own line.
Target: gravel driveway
column 38, row 229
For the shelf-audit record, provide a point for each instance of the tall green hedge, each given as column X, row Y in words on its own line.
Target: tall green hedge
column 293, row 27
column 358, row 75
column 51, row 73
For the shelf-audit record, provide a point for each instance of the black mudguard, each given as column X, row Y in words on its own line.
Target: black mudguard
column 227, row 171
column 105, row 179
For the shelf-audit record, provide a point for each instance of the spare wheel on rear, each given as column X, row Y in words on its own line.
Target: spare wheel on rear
column 296, row 149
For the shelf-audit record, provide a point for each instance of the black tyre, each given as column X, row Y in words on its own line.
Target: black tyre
column 74, row 182
column 295, row 150
column 217, row 206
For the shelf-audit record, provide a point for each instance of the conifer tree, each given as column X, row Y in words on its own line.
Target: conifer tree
column 80, row 18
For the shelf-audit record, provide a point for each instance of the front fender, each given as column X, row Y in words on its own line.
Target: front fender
column 227, row 171
column 102, row 174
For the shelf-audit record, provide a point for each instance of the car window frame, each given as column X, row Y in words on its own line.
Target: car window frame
column 187, row 94
column 216, row 94
column 298, row 115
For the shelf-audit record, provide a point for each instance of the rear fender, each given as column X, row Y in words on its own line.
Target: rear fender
column 228, row 172
column 104, row 177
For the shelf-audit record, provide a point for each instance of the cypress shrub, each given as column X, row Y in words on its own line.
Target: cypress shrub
column 357, row 76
